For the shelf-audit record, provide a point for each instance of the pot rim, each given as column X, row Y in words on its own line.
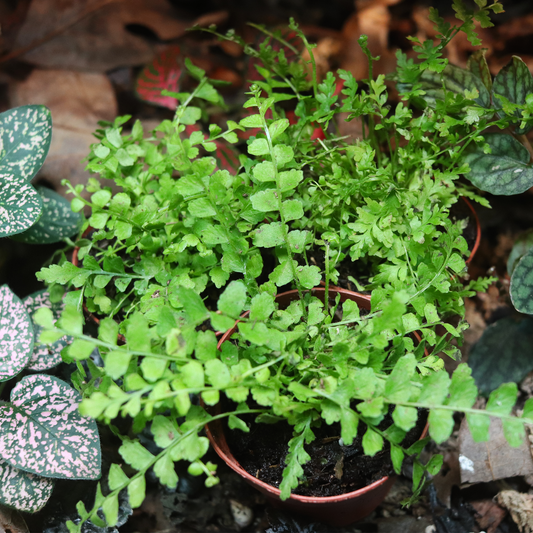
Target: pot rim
column 478, row 229
column 265, row 487
column 230, row 460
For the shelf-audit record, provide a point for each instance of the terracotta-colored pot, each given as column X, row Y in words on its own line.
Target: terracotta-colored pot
column 475, row 220
column 333, row 510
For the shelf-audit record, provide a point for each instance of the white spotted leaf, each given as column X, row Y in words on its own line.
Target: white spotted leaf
column 25, row 135
column 56, row 222
column 16, row 334
column 23, row 491
column 505, row 171
column 45, row 356
column 20, row 206
column 43, row 432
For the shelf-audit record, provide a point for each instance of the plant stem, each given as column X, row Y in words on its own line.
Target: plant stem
column 141, row 473
column 326, row 293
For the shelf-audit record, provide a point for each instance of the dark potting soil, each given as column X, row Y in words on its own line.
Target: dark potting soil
column 333, row 469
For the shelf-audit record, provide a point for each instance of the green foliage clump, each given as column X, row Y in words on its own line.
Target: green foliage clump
column 186, row 247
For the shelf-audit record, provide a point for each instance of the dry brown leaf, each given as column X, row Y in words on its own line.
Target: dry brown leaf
column 214, row 17
column 92, row 35
column 520, row 507
column 12, row 15
column 11, row 521
column 448, row 477
column 77, row 100
column 326, row 50
column 495, row 459
column 372, row 19
column 516, row 27
column 477, row 325
column 495, row 298
column 489, row 514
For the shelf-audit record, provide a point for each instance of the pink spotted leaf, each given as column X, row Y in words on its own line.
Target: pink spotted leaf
column 43, row 433
column 45, row 356
column 23, row 491
column 16, row 334
column 163, row 73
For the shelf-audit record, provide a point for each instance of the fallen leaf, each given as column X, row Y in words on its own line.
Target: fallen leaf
column 95, row 35
column 516, row 27
column 489, row 514
column 214, row 17
column 520, row 507
column 495, row 459
column 326, row 51
column 242, row 514
column 404, row 524
column 477, row 325
column 77, row 100
column 12, row 15
column 372, row 19
column 11, row 521
column 448, row 477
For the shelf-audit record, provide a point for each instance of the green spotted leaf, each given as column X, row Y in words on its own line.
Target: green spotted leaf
column 455, row 80
column 514, row 82
column 522, row 284
column 502, row 354
column 45, row 356
column 16, row 335
column 23, row 491
column 477, row 65
column 505, row 171
column 523, row 243
column 56, row 222
column 43, row 432
column 25, row 135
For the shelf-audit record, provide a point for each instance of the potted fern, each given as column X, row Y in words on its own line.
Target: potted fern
column 185, row 248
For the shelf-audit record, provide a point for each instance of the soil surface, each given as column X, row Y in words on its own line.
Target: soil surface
column 333, row 469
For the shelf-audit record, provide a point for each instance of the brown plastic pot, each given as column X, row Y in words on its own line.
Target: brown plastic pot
column 333, row 510
column 475, row 220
